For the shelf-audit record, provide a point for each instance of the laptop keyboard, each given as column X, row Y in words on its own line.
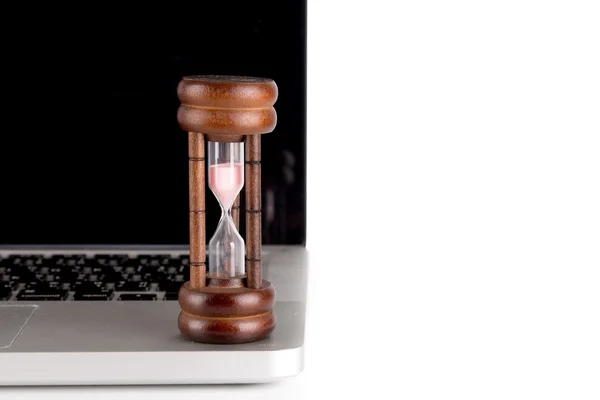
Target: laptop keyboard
column 77, row 277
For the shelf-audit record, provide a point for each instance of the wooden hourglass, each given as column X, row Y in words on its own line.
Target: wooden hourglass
column 230, row 303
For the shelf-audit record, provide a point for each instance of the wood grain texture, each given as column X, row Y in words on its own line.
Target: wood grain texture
column 253, row 212
column 232, row 330
column 226, row 315
column 213, row 301
column 225, row 108
column 226, row 138
column 224, row 91
column 197, row 190
column 227, row 121
column 226, row 282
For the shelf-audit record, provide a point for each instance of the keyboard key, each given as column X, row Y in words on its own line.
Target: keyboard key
column 153, row 260
column 86, row 286
column 71, row 260
column 130, row 286
column 68, row 276
column 116, row 262
column 43, row 286
column 51, row 278
column 111, row 277
column 131, row 269
column 176, row 269
column 97, row 270
column 74, row 262
column 32, row 261
column 142, row 259
column 90, row 269
column 164, row 259
column 185, row 260
column 147, row 270
column 67, row 256
column 111, row 260
column 137, row 297
column 42, row 295
column 22, row 277
column 159, row 278
column 100, row 295
column 24, row 260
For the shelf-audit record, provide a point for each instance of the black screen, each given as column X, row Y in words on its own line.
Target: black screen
column 90, row 148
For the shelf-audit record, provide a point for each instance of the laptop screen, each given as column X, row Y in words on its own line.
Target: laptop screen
column 90, row 149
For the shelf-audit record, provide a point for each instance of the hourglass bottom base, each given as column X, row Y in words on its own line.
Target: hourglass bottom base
column 226, row 315
column 230, row 330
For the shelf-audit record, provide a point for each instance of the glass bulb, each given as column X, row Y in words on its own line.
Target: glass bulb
column 226, row 249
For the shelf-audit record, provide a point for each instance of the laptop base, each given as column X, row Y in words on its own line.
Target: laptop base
column 138, row 342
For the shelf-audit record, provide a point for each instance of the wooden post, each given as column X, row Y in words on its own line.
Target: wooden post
column 197, row 210
column 253, row 212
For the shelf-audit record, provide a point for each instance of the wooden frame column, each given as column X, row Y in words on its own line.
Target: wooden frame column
column 197, row 210
column 253, row 212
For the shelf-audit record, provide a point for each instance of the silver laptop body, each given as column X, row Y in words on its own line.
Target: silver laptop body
column 94, row 193
column 137, row 342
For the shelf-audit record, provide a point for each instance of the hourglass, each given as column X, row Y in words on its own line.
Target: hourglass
column 230, row 302
column 225, row 179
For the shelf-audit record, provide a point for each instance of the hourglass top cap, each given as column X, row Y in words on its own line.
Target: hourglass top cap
column 227, row 91
column 227, row 105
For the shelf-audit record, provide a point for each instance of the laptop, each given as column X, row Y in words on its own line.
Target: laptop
column 94, row 236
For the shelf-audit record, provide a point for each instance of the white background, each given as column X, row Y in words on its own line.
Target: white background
column 454, row 205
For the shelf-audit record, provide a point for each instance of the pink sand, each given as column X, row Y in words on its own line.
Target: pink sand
column 226, row 180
